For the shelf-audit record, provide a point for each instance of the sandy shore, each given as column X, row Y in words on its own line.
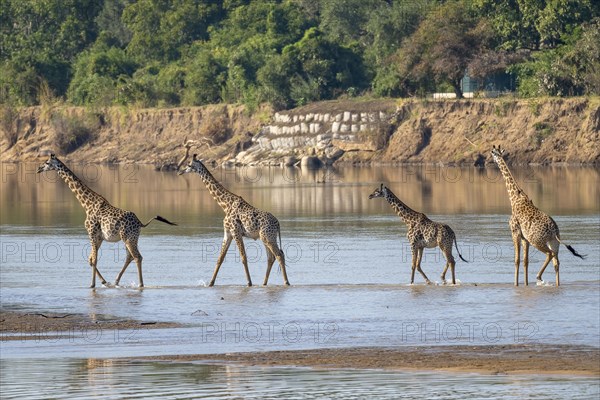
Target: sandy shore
column 493, row 359
column 497, row 359
column 17, row 325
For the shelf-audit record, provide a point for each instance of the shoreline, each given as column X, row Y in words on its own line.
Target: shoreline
column 525, row 358
column 487, row 359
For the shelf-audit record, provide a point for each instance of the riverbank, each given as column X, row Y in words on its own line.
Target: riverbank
column 389, row 131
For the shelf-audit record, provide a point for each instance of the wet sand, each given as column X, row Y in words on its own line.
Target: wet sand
column 511, row 359
column 490, row 359
column 17, row 325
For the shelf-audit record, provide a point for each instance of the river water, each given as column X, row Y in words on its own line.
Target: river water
column 347, row 260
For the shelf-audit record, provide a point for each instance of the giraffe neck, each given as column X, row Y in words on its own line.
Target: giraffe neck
column 514, row 191
column 218, row 191
column 406, row 213
column 86, row 196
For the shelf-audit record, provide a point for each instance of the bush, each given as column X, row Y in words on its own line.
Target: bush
column 72, row 132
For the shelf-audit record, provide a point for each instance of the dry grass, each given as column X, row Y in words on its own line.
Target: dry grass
column 8, row 124
column 73, row 131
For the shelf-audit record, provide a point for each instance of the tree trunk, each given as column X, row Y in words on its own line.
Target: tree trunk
column 457, row 89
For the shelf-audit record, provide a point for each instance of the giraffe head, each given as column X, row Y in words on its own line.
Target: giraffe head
column 194, row 166
column 52, row 164
column 497, row 153
column 381, row 191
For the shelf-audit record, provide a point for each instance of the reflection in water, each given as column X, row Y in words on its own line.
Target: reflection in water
column 348, row 262
column 108, row 379
column 43, row 199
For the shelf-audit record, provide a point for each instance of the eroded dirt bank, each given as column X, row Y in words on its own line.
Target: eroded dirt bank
column 375, row 131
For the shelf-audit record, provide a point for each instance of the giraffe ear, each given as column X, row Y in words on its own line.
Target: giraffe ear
column 195, row 157
column 52, row 155
column 381, row 187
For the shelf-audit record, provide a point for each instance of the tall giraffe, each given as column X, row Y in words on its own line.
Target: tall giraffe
column 241, row 219
column 422, row 233
column 529, row 225
column 103, row 221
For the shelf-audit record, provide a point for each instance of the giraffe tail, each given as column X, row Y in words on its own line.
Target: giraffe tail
column 161, row 219
column 572, row 250
column 458, row 251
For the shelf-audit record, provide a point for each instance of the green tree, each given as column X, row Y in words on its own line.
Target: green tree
column 45, row 37
column 447, row 40
column 96, row 73
column 388, row 26
column 160, row 28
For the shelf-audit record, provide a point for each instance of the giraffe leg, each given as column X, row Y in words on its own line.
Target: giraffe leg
column 515, row 231
column 526, row 261
column 450, row 262
column 240, row 244
column 444, row 272
column 132, row 248
column 517, row 243
column 554, row 246
column 546, row 262
column 93, row 260
column 419, row 257
column 278, row 253
column 270, row 261
column 224, row 247
column 556, row 268
column 128, row 260
column 413, row 266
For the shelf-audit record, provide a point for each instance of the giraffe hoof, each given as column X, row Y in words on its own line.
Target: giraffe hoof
column 287, row 283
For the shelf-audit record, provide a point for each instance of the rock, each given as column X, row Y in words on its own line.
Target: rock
column 310, row 162
column 289, row 161
column 333, row 153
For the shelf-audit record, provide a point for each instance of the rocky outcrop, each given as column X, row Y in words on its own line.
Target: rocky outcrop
column 327, row 135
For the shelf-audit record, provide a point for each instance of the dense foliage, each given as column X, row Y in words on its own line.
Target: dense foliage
column 289, row 52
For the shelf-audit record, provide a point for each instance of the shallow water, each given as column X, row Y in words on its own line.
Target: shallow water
column 347, row 258
column 116, row 379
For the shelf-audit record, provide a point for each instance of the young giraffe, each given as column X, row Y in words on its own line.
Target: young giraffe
column 422, row 233
column 103, row 221
column 241, row 219
column 529, row 225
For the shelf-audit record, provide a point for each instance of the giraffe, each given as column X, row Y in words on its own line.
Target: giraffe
column 422, row 233
column 241, row 219
column 103, row 221
column 529, row 225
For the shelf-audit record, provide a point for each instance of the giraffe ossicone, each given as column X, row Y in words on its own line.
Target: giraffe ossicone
column 241, row 220
column 422, row 233
column 103, row 221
